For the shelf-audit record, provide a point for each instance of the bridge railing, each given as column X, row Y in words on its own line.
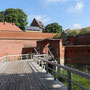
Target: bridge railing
column 2, row 59
column 44, row 63
column 15, row 57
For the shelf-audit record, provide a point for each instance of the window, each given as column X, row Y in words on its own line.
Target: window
column 65, row 50
column 71, row 51
column 82, row 50
column 76, row 50
column 89, row 50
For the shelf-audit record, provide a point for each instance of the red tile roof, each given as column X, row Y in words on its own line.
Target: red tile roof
column 11, row 31
column 25, row 35
column 4, row 26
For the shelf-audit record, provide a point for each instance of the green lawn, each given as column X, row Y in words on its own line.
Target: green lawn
column 80, row 80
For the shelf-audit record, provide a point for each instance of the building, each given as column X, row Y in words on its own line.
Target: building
column 32, row 29
column 36, row 26
column 14, row 41
column 72, row 50
column 72, row 54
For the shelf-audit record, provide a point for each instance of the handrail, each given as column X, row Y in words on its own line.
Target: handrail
column 68, row 69
column 5, row 58
column 51, row 54
column 13, row 55
column 36, row 51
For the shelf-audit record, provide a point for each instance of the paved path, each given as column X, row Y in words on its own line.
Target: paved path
column 22, row 75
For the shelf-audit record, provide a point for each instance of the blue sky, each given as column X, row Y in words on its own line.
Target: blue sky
column 68, row 13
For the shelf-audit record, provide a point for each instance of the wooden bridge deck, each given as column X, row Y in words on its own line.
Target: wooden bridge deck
column 26, row 75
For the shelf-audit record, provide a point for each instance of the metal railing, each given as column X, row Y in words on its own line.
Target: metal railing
column 44, row 63
column 15, row 57
column 51, row 54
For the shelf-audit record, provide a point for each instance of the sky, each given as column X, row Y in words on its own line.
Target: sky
column 71, row 14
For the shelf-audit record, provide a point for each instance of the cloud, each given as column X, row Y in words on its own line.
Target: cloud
column 53, row 1
column 42, row 18
column 76, row 26
column 77, row 8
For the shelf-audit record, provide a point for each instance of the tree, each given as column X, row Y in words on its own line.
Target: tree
column 84, row 31
column 2, row 19
column 57, row 36
column 16, row 16
column 53, row 28
column 72, row 33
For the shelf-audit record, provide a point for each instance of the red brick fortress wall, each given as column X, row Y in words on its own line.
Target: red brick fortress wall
column 10, row 47
column 55, row 46
column 12, row 43
column 15, row 47
column 52, row 44
column 80, row 40
column 79, row 54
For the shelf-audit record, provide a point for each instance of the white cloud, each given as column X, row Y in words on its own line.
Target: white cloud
column 77, row 8
column 53, row 1
column 76, row 26
column 42, row 18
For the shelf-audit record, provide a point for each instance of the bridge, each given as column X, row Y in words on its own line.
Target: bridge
column 25, row 72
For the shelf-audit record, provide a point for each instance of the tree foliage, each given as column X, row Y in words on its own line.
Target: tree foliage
column 16, row 16
column 76, row 32
column 57, row 36
column 83, row 31
column 53, row 28
column 72, row 33
column 2, row 19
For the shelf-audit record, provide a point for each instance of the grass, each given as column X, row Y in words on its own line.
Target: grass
column 76, row 78
column 80, row 80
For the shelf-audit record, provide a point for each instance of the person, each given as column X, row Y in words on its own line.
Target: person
column 43, row 52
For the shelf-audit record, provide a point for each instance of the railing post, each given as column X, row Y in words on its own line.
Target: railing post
column 21, row 57
column 46, row 68
column 69, row 80
column 54, row 68
column 6, row 58
column 35, row 59
column 31, row 56
column 38, row 61
column 14, row 58
column 42, row 64
column 27, row 56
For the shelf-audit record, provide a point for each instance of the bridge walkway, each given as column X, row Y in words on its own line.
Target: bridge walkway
column 26, row 75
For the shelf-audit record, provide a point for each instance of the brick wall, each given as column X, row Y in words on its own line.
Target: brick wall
column 77, row 54
column 15, row 47
column 83, row 40
column 80, row 40
column 55, row 47
column 12, row 43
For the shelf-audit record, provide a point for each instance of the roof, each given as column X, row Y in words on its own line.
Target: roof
column 36, row 22
column 31, row 28
column 4, row 26
column 25, row 35
column 50, row 39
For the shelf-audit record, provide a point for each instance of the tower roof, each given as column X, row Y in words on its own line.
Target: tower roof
column 37, row 23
